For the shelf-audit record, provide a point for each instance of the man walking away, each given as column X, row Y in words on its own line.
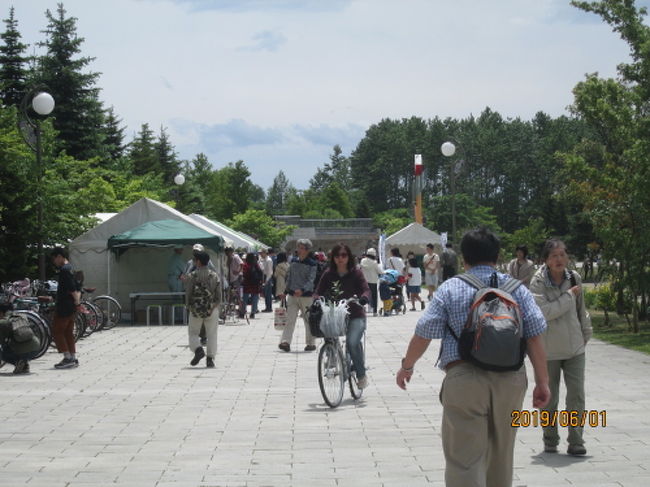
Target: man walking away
column 477, row 437
column 203, row 297
column 67, row 300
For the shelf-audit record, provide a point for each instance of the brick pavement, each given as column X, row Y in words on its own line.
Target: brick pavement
column 136, row 414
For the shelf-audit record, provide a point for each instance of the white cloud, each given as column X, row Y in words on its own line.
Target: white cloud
column 277, row 82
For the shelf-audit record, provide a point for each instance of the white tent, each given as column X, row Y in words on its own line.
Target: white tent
column 413, row 237
column 237, row 239
column 138, row 269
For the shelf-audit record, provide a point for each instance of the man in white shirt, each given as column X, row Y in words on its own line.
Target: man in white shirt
column 431, row 262
column 266, row 263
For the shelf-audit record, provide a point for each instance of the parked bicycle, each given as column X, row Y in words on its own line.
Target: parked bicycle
column 335, row 366
column 231, row 304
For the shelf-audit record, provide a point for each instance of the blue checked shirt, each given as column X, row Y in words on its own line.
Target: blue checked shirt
column 451, row 303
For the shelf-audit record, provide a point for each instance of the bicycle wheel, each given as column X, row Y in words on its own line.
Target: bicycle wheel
column 79, row 326
column 352, row 377
column 40, row 328
column 331, row 374
column 93, row 317
column 111, row 309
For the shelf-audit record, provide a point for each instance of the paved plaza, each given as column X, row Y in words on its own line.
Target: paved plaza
column 136, row 414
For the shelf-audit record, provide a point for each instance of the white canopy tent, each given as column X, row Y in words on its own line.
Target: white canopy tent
column 138, row 269
column 237, row 239
column 413, row 237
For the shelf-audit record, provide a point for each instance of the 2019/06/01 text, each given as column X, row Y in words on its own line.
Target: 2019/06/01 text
column 524, row 418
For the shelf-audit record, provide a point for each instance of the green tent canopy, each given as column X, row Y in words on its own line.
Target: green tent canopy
column 164, row 233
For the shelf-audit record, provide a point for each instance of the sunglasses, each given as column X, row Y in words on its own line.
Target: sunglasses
column 341, row 255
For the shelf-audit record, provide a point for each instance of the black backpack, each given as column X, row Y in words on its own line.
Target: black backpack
column 492, row 337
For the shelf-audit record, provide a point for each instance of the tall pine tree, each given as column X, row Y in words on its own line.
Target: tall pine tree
column 78, row 115
column 143, row 152
column 12, row 63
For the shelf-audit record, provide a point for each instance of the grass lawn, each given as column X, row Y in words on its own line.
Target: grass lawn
column 617, row 333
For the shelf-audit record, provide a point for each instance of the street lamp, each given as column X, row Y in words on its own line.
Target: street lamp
column 42, row 104
column 448, row 149
column 179, row 180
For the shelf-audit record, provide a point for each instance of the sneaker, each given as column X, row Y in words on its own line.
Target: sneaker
column 22, row 367
column 67, row 363
column 412, row 309
column 576, row 450
column 422, row 305
column 550, row 448
column 284, row 346
column 252, row 316
column 267, row 311
column 198, row 355
column 209, row 363
column 310, row 348
column 362, row 383
column 204, row 341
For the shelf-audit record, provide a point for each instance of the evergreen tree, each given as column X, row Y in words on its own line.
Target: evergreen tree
column 276, row 198
column 78, row 114
column 143, row 153
column 113, row 135
column 12, row 71
column 167, row 158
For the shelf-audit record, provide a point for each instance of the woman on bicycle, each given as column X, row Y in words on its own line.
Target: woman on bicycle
column 344, row 280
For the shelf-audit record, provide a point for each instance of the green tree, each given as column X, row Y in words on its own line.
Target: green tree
column 278, row 193
column 78, row 114
column 229, row 192
column 113, row 136
column 608, row 173
column 12, row 63
column 17, row 202
column 259, row 225
column 143, row 154
column 167, row 157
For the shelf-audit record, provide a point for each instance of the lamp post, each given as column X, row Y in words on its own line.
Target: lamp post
column 448, row 149
column 42, row 104
column 179, row 180
column 418, row 169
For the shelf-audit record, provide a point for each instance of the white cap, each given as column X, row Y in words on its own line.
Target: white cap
column 372, row 252
column 198, row 248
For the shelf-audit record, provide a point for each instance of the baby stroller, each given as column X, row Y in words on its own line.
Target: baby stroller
column 391, row 283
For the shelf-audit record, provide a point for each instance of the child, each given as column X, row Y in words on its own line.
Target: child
column 414, row 283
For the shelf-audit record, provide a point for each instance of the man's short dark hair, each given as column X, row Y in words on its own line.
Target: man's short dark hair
column 202, row 257
column 56, row 251
column 448, row 245
column 430, row 246
column 480, row 246
column 523, row 248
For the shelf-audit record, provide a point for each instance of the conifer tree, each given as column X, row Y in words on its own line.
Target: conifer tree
column 143, row 153
column 12, row 63
column 167, row 158
column 78, row 115
column 113, row 135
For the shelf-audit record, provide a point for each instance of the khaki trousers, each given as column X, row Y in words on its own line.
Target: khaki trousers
column 194, row 328
column 477, row 437
column 574, row 379
column 295, row 305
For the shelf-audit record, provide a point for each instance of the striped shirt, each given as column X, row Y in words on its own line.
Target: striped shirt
column 451, row 303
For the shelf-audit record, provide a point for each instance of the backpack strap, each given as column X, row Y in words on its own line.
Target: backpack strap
column 511, row 285
column 472, row 280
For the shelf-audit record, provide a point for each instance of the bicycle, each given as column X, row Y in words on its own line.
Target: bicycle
column 230, row 306
column 111, row 311
column 335, row 365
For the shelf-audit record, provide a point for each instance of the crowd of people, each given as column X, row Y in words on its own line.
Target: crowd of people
column 477, row 436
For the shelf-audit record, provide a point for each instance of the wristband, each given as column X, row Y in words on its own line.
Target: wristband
column 405, row 369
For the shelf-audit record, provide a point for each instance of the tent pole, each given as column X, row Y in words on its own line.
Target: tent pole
column 108, row 265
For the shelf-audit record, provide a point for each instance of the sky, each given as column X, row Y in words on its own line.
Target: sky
column 277, row 83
